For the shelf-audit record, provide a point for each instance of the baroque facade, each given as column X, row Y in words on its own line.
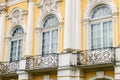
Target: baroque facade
column 59, row 40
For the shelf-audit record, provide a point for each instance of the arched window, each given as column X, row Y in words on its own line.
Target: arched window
column 50, row 35
column 102, row 79
column 16, row 44
column 101, row 27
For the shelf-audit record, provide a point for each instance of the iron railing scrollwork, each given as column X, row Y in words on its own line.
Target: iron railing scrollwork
column 12, row 67
column 9, row 67
column 100, row 56
column 42, row 61
column 97, row 56
column 80, row 58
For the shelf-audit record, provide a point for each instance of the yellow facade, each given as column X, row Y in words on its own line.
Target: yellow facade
column 90, row 71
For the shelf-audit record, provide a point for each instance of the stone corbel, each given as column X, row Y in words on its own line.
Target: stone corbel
column 115, row 14
column 69, row 50
column 24, row 12
column 3, row 9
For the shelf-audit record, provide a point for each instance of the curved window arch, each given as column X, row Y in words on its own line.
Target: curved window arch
column 101, row 11
column 18, row 31
column 16, row 43
column 51, row 21
column 50, row 35
column 101, row 29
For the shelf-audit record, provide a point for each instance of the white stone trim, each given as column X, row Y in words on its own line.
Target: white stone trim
column 40, row 23
column 12, row 27
column 22, row 75
column 90, row 7
column 46, row 77
column 42, row 17
column 30, row 27
column 78, row 29
column 87, row 19
column 69, row 23
column 105, row 76
column 2, row 34
column 13, row 2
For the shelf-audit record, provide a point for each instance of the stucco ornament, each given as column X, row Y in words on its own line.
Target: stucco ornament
column 97, row 1
column 17, row 17
column 49, row 5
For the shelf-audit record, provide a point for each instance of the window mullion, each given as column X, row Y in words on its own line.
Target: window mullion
column 102, row 35
column 17, row 45
column 50, row 42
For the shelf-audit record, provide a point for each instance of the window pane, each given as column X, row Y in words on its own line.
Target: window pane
column 18, row 31
column 51, row 21
column 101, row 11
column 107, row 34
column 16, row 46
column 13, row 50
column 54, row 41
column 95, row 36
column 20, row 42
column 46, row 42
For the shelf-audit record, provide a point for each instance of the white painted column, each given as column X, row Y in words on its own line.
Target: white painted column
column 66, row 71
column 2, row 29
column 29, row 36
column 78, row 30
column 68, row 25
column 22, row 75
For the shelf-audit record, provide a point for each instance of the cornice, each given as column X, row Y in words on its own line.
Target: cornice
column 13, row 2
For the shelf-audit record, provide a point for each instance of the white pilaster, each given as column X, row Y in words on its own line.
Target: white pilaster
column 117, row 62
column 66, row 69
column 22, row 75
column 30, row 26
column 2, row 27
column 68, row 25
column 78, row 30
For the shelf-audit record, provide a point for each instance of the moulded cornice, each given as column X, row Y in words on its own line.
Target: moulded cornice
column 13, row 2
column 98, row 1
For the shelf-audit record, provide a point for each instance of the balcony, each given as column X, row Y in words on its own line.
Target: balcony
column 96, row 57
column 49, row 61
column 9, row 67
column 42, row 62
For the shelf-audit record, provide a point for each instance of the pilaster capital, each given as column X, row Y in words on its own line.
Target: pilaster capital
column 3, row 9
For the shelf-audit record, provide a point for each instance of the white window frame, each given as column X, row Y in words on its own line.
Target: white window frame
column 16, row 38
column 40, row 31
column 50, row 30
column 101, row 21
column 46, row 77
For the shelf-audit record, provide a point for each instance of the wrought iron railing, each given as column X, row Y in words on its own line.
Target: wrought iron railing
column 42, row 61
column 9, row 67
column 80, row 58
column 97, row 56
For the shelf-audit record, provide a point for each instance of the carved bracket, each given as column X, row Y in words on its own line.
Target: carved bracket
column 3, row 9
